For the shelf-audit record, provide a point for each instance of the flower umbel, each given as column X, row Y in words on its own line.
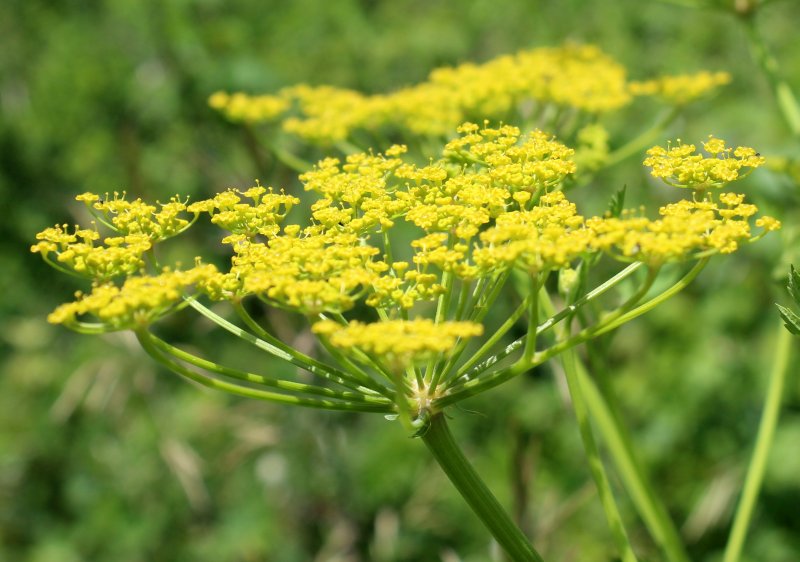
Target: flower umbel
column 489, row 207
column 682, row 166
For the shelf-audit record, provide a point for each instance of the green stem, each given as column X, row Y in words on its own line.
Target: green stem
column 497, row 335
column 282, row 384
column 288, row 159
column 533, row 319
column 447, row 453
column 486, row 300
column 641, row 141
column 766, row 434
column 298, row 359
column 475, row 382
column 467, row 372
column 144, row 338
column 479, row 311
column 633, row 477
column 593, row 456
column 655, row 301
column 263, row 334
column 787, row 101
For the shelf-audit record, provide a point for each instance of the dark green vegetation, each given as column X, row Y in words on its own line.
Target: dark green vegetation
column 104, row 457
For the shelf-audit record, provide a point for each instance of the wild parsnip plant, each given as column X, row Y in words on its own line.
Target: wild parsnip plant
column 401, row 327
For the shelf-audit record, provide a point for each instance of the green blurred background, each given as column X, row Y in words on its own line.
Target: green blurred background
column 103, row 456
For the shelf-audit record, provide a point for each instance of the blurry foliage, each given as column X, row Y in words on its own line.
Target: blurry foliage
column 104, row 458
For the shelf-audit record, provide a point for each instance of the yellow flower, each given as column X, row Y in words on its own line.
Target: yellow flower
column 140, row 300
column 249, row 109
column 685, row 230
column 78, row 252
column 681, row 166
column 573, row 76
column 683, row 88
column 260, row 216
column 401, row 343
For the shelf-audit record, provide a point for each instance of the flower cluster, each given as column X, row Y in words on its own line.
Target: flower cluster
column 141, row 300
column 682, row 166
column 262, row 216
column 576, row 77
column 681, row 89
column 240, row 107
column 138, row 226
column 493, row 202
column 686, row 229
column 400, row 343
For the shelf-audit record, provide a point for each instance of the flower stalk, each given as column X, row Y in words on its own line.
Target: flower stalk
column 440, row 442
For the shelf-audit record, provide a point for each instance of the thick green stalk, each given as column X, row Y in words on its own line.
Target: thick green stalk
column 533, row 320
column 447, row 453
column 766, row 434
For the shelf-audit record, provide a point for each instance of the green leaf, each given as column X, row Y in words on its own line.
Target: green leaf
column 791, row 320
column 794, row 284
column 617, row 202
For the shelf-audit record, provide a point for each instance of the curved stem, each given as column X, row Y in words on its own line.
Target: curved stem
column 263, row 334
column 655, row 301
column 299, row 360
column 630, row 471
column 144, row 339
column 766, row 434
column 478, row 383
column 593, row 456
column 498, row 334
column 447, row 453
column 467, row 372
column 291, row 386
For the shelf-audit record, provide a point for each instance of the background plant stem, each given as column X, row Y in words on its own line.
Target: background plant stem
column 596, row 467
column 766, row 434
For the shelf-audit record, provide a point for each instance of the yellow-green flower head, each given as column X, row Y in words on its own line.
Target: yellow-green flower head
column 402, row 288
column 682, row 166
column 249, row 109
column 548, row 236
column 686, row 230
column 683, row 88
column 158, row 222
column 77, row 251
column 517, row 162
column 261, row 215
column 311, row 273
column 573, row 76
column 400, row 343
column 329, row 114
column 140, row 300
column 357, row 195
